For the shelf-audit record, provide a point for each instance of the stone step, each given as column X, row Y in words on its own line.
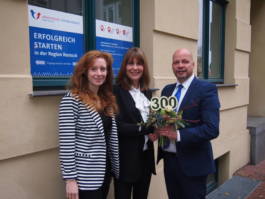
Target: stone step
column 236, row 188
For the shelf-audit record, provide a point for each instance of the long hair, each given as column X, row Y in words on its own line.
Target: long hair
column 123, row 79
column 104, row 101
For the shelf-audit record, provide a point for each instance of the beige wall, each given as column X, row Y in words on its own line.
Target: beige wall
column 32, row 176
column 28, row 150
column 180, row 29
column 29, row 166
column 257, row 60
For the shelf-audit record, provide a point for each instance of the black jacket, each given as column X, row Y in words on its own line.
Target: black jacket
column 131, row 141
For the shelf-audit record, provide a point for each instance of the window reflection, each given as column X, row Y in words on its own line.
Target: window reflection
column 200, row 47
column 215, row 41
column 210, row 59
column 69, row 6
column 115, row 11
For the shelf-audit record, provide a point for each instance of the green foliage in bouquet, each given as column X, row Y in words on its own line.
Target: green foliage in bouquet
column 164, row 118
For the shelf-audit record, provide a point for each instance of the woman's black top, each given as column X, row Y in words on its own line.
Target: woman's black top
column 107, row 123
column 106, row 120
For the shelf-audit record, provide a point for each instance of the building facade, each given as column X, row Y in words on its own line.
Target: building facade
column 29, row 165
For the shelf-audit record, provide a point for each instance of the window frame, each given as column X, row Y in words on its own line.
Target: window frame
column 89, row 19
column 212, row 183
column 206, row 38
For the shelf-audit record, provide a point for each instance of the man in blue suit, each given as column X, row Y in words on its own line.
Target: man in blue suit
column 188, row 158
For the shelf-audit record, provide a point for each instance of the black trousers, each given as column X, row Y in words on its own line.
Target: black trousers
column 138, row 189
column 101, row 193
column 179, row 185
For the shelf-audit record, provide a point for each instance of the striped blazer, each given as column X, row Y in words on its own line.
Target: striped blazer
column 83, row 144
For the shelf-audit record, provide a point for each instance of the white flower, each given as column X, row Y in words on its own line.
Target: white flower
column 168, row 108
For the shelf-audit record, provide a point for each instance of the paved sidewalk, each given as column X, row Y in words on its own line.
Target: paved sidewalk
column 246, row 183
column 255, row 172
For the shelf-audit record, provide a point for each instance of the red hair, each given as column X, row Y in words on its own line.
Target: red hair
column 104, row 100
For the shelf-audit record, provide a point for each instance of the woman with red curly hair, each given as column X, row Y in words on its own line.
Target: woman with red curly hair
column 87, row 129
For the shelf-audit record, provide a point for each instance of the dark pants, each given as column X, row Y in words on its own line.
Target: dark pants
column 179, row 185
column 139, row 189
column 101, row 193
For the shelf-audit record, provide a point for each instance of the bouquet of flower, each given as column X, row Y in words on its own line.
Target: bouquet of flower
column 165, row 117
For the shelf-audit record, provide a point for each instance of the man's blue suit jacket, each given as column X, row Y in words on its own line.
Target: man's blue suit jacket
column 200, row 108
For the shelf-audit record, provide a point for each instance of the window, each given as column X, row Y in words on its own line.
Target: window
column 211, row 40
column 56, row 41
column 212, row 179
column 69, row 6
column 115, row 28
column 62, row 30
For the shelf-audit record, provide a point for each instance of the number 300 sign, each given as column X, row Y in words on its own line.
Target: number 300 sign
column 163, row 102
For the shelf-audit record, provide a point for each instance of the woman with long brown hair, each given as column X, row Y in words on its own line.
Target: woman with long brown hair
column 87, row 129
column 135, row 142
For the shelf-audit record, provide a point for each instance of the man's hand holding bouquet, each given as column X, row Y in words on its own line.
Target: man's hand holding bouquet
column 165, row 119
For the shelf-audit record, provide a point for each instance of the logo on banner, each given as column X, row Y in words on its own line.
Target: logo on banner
column 102, row 28
column 35, row 15
column 125, row 32
column 56, row 20
column 111, row 30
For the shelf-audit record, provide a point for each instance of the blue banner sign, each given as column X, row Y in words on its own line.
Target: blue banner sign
column 56, row 42
column 116, row 47
column 115, row 39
